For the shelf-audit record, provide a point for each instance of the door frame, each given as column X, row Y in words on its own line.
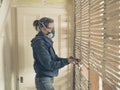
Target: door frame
column 33, row 9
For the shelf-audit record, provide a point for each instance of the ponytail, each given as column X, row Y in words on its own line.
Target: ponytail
column 38, row 24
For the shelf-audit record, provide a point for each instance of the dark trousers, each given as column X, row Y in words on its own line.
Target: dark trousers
column 44, row 83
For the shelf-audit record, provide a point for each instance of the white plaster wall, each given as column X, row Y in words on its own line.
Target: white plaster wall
column 6, row 48
column 3, row 12
column 2, row 85
column 7, row 54
column 5, row 59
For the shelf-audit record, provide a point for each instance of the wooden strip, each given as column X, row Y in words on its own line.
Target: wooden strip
column 113, row 42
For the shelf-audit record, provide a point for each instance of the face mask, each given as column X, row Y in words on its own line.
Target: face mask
column 51, row 34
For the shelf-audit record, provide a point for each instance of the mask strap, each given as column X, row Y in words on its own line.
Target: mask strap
column 44, row 26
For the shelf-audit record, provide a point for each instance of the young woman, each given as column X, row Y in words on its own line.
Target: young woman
column 46, row 62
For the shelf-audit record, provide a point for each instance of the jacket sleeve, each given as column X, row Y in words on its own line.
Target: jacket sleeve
column 44, row 57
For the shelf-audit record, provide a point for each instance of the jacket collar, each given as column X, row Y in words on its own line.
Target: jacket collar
column 45, row 38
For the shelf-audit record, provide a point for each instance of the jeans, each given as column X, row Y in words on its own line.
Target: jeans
column 44, row 83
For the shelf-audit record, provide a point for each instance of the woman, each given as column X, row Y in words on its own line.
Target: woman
column 46, row 62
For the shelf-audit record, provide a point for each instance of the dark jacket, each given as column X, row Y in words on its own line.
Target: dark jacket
column 46, row 62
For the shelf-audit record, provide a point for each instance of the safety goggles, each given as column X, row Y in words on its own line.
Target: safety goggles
column 49, row 29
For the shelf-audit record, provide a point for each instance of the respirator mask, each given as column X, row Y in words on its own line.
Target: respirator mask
column 51, row 31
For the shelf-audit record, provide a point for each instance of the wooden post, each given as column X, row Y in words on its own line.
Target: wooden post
column 94, row 80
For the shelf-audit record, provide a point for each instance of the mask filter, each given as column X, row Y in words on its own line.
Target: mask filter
column 51, row 34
